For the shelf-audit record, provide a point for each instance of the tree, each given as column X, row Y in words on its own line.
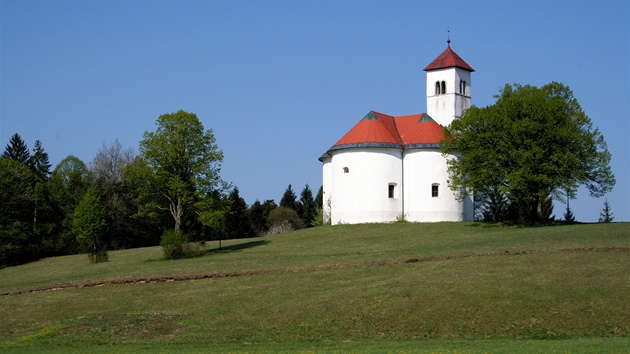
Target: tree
column 283, row 219
column 492, row 205
column 17, row 150
column 259, row 213
column 90, row 223
column 289, row 199
column 307, row 207
column 17, row 202
column 182, row 161
column 39, row 162
column 67, row 185
column 237, row 223
column 606, row 215
column 532, row 143
column 109, row 163
column 108, row 168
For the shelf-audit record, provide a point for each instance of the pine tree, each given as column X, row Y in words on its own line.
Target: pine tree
column 237, row 223
column 307, row 207
column 39, row 161
column 606, row 215
column 319, row 199
column 569, row 218
column 258, row 214
column 289, row 200
column 17, row 150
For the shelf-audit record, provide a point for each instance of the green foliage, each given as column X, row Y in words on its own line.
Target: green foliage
column 307, row 206
column 289, row 199
column 569, row 218
column 67, row 185
column 175, row 245
column 39, row 161
column 17, row 205
column 606, row 215
column 181, row 161
column 90, row 223
column 531, row 143
column 259, row 213
column 237, row 222
column 17, row 150
column 283, row 219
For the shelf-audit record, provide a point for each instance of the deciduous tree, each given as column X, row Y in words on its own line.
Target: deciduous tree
column 531, row 143
column 90, row 223
column 182, row 160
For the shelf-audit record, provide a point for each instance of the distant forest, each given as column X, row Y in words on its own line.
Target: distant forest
column 39, row 205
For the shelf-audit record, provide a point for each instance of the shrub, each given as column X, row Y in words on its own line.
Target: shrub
column 175, row 245
column 283, row 219
column 100, row 255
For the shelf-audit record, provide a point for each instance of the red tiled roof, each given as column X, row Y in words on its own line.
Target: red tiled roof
column 448, row 59
column 415, row 130
column 374, row 128
column 378, row 128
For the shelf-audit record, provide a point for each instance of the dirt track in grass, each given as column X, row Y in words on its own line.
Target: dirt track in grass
column 145, row 280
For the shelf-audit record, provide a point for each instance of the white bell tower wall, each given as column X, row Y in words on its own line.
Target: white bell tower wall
column 448, row 94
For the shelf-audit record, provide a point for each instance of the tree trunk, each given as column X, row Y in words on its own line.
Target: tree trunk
column 177, row 210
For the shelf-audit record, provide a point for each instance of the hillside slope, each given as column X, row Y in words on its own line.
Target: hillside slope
column 348, row 282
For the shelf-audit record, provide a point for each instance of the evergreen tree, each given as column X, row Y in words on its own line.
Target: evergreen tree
column 17, row 150
column 307, row 207
column 259, row 213
column 237, row 223
column 17, row 202
column 493, row 205
column 606, row 215
column 39, row 161
column 289, row 199
column 546, row 210
column 319, row 199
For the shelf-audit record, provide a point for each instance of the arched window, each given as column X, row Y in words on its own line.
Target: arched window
column 391, row 191
column 435, row 190
column 346, row 170
column 437, row 88
column 443, row 87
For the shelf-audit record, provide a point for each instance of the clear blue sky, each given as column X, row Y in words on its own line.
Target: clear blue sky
column 279, row 82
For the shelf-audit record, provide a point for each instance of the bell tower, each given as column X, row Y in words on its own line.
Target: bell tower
column 448, row 86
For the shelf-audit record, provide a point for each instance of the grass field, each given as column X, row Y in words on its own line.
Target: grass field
column 400, row 288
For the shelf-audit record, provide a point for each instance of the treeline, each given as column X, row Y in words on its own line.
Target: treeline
column 123, row 200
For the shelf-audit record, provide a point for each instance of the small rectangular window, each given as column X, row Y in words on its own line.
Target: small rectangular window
column 391, row 191
column 435, row 190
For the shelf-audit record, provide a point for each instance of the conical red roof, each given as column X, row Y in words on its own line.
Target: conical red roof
column 448, row 59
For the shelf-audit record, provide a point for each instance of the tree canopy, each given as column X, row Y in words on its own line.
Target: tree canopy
column 182, row 163
column 532, row 143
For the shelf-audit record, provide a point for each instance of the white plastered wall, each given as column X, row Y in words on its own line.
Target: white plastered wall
column 327, row 187
column 422, row 169
column 443, row 108
column 360, row 195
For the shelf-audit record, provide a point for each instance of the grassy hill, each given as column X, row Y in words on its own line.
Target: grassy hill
column 445, row 287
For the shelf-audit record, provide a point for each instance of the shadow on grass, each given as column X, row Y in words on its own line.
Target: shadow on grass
column 235, row 248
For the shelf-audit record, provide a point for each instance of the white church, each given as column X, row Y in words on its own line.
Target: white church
column 390, row 167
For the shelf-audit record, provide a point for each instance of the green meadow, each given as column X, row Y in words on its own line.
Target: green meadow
column 372, row 288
